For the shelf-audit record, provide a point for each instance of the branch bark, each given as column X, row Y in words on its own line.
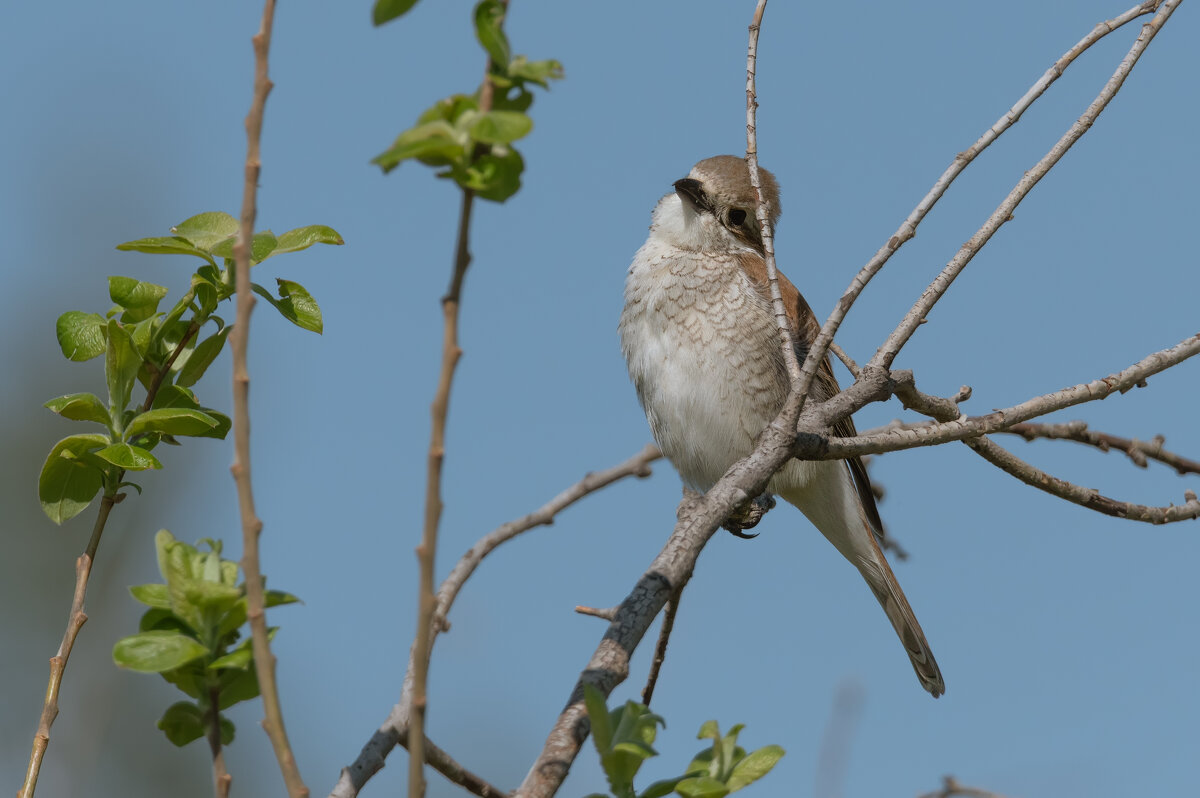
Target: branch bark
column 395, row 730
column 264, row 660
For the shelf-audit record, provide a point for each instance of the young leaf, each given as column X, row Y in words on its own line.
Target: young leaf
column 754, row 766
column 261, row 246
column 154, row 652
column 154, row 595
column 80, row 407
column 387, row 10
column 305, row 237
column 701, row 787
column 436, row 143
column 130, row 458
column 68, row 483
column 182, row 723
column 494, row 177
column 133, row 294
column 660, row 788
column 236, row 686
column 201, row 358
column 535, row 71
column 489, row 16
column 205, row 230
column 500, row 127
column 173, row 245
column 295, row 304
column 121, row 364
column 171, row 420
column 81, row 335
column 598, row 714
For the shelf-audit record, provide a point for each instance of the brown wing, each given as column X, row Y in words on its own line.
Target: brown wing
column 804, row 325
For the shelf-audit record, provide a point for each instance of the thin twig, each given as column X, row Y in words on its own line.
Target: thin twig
column 819, row 447
column 952, row 789
column 395, row 729
column 264, row 660
column 222, row 781
column 787, row 337
column 660, row 648
column 908, row 228
column 847, row 361
column 58, row 663
column 887, row 353
column 1137, row 451
column 947, row 410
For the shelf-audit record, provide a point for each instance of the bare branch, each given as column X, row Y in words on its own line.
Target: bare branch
column 847, row 361
column 660, row 649
column 1004, row 212
column 395, row 729
column 818, row 447
column 952, row 789
column 908, row 228
column 264, row 660
column 1137, row 451
column 603, row 613
column 787, row 338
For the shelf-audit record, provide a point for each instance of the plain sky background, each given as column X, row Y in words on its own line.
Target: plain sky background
column 1067, row 639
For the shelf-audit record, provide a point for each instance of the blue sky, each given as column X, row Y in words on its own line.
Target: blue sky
column 1067, row 639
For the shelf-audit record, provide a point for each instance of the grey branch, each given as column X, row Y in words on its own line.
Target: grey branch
column 1139, row 452
column 395, row 729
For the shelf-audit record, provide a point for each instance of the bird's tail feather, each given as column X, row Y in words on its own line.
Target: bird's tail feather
column 878, row 575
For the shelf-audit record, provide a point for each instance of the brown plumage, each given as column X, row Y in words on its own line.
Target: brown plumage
column 702, row 347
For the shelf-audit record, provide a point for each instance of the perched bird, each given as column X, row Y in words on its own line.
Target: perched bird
column 704, row 354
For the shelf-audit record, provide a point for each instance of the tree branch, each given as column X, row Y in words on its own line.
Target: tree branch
column 952, row 789
column 395, row 729
column 908, row 228
column 1137, row 451
column 264, row 660
column 787, row 338
column 1004, row 212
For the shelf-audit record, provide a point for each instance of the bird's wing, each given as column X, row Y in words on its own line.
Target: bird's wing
column 825, row 385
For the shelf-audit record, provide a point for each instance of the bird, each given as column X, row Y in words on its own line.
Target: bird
column 704, row 353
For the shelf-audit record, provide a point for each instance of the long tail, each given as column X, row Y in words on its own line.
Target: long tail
column 830, row 500
column 883, row 584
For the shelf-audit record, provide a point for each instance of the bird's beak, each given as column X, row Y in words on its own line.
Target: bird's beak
column 693, row 192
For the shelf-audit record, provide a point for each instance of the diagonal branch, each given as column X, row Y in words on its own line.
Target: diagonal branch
column 1004, row 212
column 395, row 729
column 1137, row 451
column 908, row 228
column 264, row 660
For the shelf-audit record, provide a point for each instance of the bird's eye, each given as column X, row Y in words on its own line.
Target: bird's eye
column 736, row 217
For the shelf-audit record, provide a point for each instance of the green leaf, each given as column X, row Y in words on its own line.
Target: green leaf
column 121, row 364
column 68, row 481
column 597, row 711
column 261, row 246
column 489, row 18
column 538, row 72
column 182, row 723
column 295, row 304
column 241, row 657
column 448, row 109
column 175, row 396
column 133, row 294
column 206, row 230
column 201, row 358
column 154, row 595
column 754, row 766
column 173, row 421
column 163, row 620
column 701, row 787
column 154, row 652
column 500, row 127
column 660, row 788
column 387, row 10
column 493, row 177
column 80, row 407
column 81, row 335
column 130, row 458
column 227, row 730
column 278, row 598
column 434, row 143
column 236, row 686
column 305, row 237
column 172, row 245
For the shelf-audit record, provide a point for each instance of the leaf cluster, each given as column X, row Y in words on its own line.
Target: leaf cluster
column 164, row 352
column 623, row 739
column 470, row 145
column 190, row 636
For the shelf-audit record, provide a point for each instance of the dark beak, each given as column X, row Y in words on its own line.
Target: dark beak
column 693, row 192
